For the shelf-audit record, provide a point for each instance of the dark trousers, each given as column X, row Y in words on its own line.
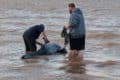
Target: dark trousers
column 30, row 44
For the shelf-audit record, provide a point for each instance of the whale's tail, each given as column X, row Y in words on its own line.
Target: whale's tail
column 62, row 51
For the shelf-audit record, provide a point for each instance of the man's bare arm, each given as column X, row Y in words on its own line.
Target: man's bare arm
column 39, row 43
column 45, row 38
column 67, row 26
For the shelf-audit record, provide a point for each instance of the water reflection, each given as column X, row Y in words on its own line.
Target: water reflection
column 75, row 65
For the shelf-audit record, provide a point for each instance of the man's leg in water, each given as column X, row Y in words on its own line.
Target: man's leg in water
column 71, row 56
column 76, row 45
column 75, row 56
column 32, row 45
column 70, row 53
column 41, row 51
column 26, row 42
column 79, row 54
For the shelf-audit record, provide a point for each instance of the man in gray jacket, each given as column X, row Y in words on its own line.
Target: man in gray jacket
column 77, row 31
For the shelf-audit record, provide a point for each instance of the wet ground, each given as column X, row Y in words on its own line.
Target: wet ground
column 101, row 61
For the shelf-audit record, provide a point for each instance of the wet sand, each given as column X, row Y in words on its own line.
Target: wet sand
column 101, row 61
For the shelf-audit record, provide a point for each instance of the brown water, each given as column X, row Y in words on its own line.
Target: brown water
column 102, row 58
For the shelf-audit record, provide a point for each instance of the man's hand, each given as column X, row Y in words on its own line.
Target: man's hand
column 46, row 40
column 39, row 43
column 67, row 26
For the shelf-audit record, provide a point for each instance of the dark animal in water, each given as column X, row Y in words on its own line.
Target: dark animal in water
column 46, row 49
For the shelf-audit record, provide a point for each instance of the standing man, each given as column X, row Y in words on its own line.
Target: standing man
column 77, row 32
column 31, row 35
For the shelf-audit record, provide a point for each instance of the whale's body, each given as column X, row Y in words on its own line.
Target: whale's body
column 46, row 49
column 51, row 48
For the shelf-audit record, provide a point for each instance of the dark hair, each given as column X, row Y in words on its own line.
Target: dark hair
column 71, row 5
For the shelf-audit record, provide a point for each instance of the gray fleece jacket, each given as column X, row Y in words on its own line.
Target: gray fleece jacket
column 77, row 25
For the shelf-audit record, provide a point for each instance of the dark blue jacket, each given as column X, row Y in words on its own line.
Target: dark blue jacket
column 34, row 32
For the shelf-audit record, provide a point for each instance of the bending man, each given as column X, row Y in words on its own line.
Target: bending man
column 30, row 36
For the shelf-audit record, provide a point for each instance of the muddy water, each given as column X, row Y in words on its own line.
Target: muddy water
column 102, row 60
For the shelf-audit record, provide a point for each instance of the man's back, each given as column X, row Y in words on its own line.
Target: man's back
column 34, row 32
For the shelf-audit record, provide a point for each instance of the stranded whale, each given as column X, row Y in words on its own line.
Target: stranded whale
column 46, row 49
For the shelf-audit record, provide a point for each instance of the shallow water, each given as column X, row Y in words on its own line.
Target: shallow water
column 102, row 60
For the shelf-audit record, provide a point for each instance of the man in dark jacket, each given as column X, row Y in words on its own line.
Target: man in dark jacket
column 31, row 35
column 76, row 28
